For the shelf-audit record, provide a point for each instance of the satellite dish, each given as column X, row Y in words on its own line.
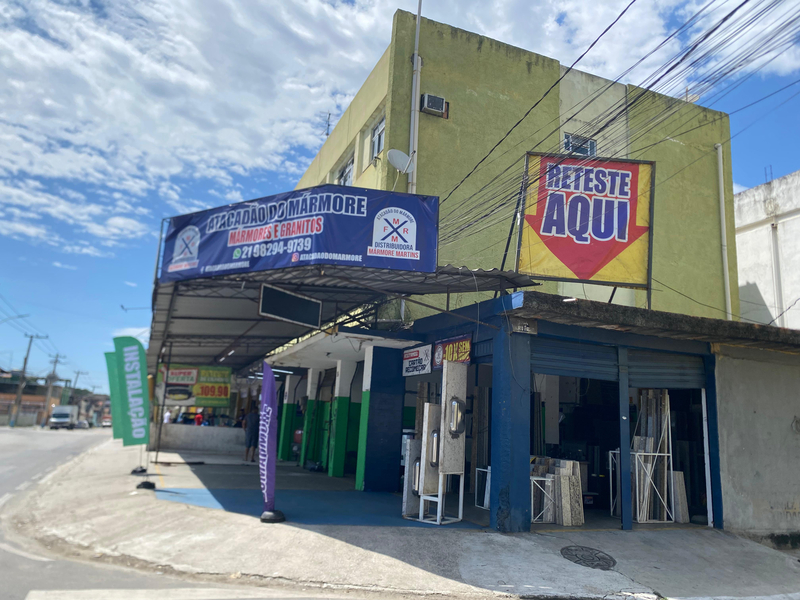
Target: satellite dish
column 400, row 161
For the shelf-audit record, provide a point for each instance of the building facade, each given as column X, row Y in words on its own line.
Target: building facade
column 768, row 242
column 488, row 86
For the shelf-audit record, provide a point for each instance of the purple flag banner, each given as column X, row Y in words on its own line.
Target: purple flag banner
column 268, row 445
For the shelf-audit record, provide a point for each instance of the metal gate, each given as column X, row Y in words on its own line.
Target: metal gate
column 650, row 369
column 573, row 359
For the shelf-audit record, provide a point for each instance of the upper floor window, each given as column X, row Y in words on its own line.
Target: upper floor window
column 345, row 176
column 582, row 146
column 378, row 133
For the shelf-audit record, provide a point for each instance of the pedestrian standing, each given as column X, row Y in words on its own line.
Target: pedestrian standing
column 198, row 418
column 250, row 424
column 167, row 416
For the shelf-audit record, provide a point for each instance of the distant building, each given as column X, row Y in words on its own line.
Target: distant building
column 34, row 398
column 768, row 247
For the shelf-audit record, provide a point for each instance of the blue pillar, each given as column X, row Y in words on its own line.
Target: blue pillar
column 510, row 498
column 384, row 419
column 624, row 494
column 713, row 438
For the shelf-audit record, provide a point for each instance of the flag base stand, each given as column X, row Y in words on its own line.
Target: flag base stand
column 146, row 485
column 272, row 516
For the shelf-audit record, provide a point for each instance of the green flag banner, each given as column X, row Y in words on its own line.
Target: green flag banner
column 113, row 392
column 133, row 391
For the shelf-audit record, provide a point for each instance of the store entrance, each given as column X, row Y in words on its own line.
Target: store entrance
column 575, row 475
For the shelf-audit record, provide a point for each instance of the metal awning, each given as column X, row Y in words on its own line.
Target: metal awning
column 216, row 321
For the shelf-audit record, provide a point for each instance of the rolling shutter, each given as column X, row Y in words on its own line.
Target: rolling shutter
column 573, row 359
column 649, row 369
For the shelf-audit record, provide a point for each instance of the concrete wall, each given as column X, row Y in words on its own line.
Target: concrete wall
column 761, row 213
column 213, row 440
column 757, row 396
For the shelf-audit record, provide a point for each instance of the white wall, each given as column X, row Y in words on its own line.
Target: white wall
column 757, row 403
column 756, row 210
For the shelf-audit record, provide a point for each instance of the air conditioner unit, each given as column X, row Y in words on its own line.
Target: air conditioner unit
column 433, row 105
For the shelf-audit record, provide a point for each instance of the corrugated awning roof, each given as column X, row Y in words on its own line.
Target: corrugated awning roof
column 587, row 313
column 203, row 320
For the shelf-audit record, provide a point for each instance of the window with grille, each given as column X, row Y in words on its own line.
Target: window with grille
column 377, row 138
column 346, row 173
column 582, row 146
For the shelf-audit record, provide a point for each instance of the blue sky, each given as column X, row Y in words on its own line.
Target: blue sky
column 115, row 116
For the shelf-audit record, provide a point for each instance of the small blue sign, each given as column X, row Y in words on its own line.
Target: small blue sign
column 323, row 225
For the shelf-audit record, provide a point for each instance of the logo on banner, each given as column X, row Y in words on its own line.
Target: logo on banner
column 187, row 247
column 583, row 216
column 394, row 234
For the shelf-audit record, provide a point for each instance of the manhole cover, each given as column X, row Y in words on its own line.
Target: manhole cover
column 588, row 557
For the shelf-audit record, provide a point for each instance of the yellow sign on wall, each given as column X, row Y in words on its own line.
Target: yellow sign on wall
column 588, row 219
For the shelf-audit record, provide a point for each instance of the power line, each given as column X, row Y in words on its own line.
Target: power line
column 688, row 297
column 784, row 312
column 539, row 101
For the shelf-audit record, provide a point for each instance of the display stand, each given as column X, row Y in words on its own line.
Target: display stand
column 547, row 512
column 645, row 490
column 440, row 518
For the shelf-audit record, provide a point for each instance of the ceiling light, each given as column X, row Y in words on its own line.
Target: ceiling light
column 231, row 352
column 282, row 371
column 569, row 299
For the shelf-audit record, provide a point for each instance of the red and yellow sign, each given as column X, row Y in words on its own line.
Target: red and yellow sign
column 587, row 219
column 457, row 349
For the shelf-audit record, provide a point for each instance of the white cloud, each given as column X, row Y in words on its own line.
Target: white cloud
column 130, row 284
column 127, row 101
column 140, row 333
column 63, row 266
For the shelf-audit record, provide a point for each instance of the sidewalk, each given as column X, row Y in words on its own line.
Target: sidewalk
column 92, row 503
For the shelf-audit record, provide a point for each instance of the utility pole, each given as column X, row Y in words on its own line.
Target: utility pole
column 21, row 385
column 51, row 379
column 75, row 388
column 78, row 374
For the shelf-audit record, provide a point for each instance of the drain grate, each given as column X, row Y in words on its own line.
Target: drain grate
column 588, row 557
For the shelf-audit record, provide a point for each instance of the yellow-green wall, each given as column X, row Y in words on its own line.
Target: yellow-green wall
column 489, row 86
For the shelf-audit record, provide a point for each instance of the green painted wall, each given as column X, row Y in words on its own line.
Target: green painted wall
column 340, row 412
column 312, row 430
column 324, row 434
column 362, row 440
column 489, row 86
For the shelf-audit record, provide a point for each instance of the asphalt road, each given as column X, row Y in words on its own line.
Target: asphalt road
column 28, row 455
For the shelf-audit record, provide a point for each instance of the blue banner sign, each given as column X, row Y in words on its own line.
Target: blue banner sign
column 323, row 225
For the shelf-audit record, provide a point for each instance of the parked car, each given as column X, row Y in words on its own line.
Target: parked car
column 82, row 424
column 106, row 422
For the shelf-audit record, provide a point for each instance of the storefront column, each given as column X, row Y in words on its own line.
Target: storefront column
column 310, row 430
column 286, row 429
column 381, row 426
column 624, row 494
column 340, row 411
column 712, row 429
column 510, row 500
